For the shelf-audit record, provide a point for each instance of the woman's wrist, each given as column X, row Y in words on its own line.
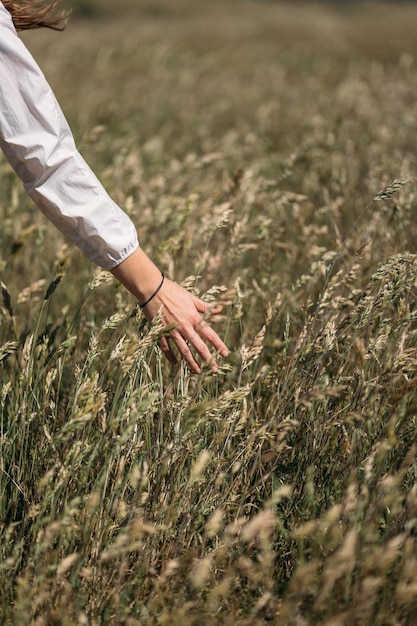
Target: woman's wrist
column 143, row 304
column 140, row 276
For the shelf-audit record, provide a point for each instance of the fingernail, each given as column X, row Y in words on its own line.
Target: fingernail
column 224, row 353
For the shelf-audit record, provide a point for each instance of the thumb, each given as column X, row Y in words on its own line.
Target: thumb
column 205, row 307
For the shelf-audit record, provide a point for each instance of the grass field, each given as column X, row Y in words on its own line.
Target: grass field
column 267, row 153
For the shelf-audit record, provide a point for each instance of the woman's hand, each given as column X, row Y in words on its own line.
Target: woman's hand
column 188, row 314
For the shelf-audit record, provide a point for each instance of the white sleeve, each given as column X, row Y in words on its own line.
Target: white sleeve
column 39, row 145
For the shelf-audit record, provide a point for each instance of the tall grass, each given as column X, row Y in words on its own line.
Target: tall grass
column 269, row 166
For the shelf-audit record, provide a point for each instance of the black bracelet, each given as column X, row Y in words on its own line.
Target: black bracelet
column 155, row 292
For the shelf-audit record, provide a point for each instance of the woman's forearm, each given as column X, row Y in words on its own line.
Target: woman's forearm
column 37, row 141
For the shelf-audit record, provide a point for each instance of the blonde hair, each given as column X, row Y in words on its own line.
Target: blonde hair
column 27, row 14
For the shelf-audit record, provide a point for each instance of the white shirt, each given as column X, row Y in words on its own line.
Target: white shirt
column 39, row 145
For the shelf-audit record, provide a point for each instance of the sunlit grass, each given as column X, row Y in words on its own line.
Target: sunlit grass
column 266, row 152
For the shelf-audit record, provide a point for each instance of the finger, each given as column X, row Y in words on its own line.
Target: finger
column 167, row 350
column 202, row 350
column 185, row 352
column 213, row 338
column 206, row 308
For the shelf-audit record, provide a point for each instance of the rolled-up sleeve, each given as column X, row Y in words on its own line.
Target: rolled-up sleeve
column 39, row 145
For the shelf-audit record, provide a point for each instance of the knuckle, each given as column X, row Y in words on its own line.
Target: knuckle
column 196, row 318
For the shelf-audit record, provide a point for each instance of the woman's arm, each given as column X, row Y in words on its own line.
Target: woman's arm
column 37, row 141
